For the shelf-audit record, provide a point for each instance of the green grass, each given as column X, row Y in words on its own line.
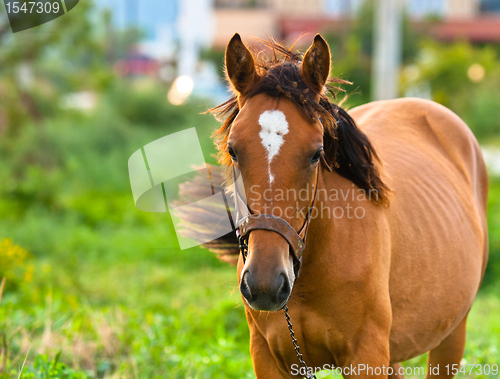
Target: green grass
column 104, row 288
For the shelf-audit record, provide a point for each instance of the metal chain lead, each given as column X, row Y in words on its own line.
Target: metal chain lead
column 295, row 344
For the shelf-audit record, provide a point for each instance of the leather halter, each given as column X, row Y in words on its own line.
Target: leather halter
column 246, row 222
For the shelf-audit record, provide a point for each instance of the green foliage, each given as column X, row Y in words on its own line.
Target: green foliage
column 353, row 65
column 144, row 103
column 14, row 264
column 45, row 369
column 492, row 276
column 444, row 68
column 217, row 58
column 68, row 55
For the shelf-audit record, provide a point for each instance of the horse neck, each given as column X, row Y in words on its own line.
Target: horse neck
column 336, row 194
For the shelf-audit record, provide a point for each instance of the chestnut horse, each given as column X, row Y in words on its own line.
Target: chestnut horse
column 397, row 241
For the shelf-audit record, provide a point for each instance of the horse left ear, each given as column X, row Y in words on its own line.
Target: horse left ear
column 240, row 66
column 316, row 63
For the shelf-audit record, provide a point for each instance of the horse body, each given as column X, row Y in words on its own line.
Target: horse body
column 437, row 218
column 381, row 283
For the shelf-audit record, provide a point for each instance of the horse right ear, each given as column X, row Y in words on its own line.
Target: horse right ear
column 240, row 66
column 316, row 63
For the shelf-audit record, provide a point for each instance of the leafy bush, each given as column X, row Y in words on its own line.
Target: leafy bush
column 45, row 369
column 144, row 103
column 444, row 68
column 14, row 264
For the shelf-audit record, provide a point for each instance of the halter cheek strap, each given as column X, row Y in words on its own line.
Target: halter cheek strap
column 246, row 222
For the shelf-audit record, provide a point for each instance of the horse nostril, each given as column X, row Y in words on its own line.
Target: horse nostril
column 269, row 295
column 279, row 283
column 244, row 288
column 284, row 288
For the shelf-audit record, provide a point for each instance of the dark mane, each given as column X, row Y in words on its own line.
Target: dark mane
column 348, row 150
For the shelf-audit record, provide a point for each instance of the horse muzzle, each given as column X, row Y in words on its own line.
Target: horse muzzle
column 266, row 283
column 271, row 295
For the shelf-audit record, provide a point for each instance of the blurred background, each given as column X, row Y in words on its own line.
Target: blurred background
column 93, row 287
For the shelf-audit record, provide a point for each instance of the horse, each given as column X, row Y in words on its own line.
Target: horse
column 392, row 196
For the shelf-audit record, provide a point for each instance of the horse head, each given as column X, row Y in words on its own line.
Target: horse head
column 277, row 148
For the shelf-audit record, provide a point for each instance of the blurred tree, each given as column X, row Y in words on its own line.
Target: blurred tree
column 462, row 77
column 352, row 52
column 23, row 56
column 70, row 54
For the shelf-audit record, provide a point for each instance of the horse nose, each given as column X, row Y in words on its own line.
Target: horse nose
column 268, row 296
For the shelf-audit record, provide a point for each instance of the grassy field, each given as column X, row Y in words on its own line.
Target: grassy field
column 98, row 289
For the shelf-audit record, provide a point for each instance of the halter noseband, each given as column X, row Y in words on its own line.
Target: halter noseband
column 246, row 222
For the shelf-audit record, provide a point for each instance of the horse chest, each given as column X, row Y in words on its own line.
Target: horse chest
column 317, row 337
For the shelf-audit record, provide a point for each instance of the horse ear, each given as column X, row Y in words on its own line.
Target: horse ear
column 316, row 63
column 240, row 66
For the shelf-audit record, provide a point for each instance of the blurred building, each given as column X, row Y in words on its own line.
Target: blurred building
column 443, row 8
column 475, row 20
column 164, row 21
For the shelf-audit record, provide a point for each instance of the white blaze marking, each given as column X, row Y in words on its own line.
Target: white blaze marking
column 274, row 127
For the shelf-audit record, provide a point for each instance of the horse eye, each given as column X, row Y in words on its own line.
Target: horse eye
column 231, row 153
column 317, row 156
